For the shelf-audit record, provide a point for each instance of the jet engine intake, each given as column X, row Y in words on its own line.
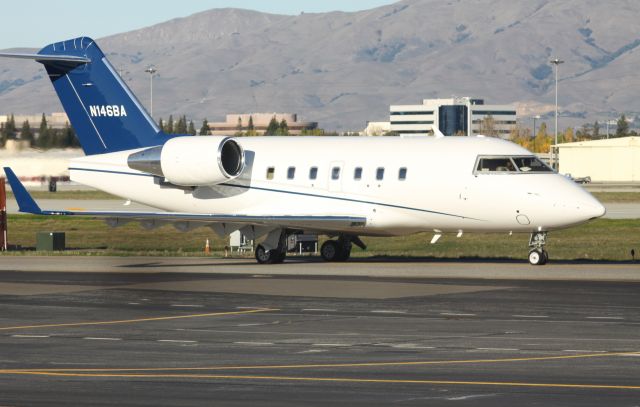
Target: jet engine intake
column 192, row 161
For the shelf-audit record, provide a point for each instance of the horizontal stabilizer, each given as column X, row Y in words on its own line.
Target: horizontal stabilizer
column 26, row 203
column 43, row 58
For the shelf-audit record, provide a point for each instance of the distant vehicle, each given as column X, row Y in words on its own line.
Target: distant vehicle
column 270, row 187
column 579, row 180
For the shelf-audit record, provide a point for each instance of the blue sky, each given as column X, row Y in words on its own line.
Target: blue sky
column 35, row 23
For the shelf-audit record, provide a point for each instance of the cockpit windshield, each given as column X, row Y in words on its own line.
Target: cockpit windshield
column 514, row 164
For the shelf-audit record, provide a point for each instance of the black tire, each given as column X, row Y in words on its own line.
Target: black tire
column 537, row 257
column 545, row 257
column 345, row 253
column 264, row 256
column 330, row 250
column 279, row 257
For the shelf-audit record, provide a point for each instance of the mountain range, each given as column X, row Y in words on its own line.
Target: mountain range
column 344, row 69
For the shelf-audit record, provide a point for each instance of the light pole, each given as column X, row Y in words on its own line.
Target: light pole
column 556, row 62
column 536, row 117
column 151, row 70
column 608, row 123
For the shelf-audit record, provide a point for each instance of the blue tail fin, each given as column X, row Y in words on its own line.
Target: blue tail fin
column 104, row 112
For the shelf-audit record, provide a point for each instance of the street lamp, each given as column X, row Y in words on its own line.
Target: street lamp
column 610, row 122
column 151, row 70
column 556, row 62
column 536, row 117
column 534, row 131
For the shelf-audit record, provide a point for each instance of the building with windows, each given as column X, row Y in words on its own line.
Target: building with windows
column 462, row 116
column 260, row 121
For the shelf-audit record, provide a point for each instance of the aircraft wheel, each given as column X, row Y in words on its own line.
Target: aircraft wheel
column 279, row 257
column 345, row 253
column 537, row 257
column 330, row 250
column 265, row 256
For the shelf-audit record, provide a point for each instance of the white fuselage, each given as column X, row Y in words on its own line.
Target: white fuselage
column 441, row 191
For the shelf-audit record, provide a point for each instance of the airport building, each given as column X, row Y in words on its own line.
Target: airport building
column 461, row 116
column 56, row 120
column 607, row 160
column 240, row 122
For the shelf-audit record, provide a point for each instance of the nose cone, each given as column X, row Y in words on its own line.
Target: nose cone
column 592, row 210
column 581, row 206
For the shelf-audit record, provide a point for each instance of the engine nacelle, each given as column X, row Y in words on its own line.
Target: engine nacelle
column 192, row 161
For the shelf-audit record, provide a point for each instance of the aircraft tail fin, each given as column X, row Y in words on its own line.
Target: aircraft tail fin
column 105, row 114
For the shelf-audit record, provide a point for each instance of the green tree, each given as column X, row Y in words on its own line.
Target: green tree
column 250, row 126
column 169, row 128
column 272, row 128
column 161, row 124
column 181, row 125
column 192, row 128
column 488, row 126
column 69, row 138
column 26, row 133
column 623, row 126
column 596, row 130
column 283, row 128
column 9, row 129
column 44, row 136
column 204, row 130
column 3, row 138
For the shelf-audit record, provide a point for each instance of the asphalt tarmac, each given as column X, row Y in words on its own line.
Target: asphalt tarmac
column 135, row 331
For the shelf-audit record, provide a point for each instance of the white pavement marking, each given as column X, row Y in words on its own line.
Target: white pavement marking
column 175, row 341
column 133, row 303
column 320, row 309
column 530, row 316
column 254, row 343
column 497, row 349
column 91, row 338
column 30, row 336
column 410, row 346
column 618, row 318
column 584, row 351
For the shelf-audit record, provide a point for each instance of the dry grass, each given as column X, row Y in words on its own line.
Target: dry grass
column 603, row 239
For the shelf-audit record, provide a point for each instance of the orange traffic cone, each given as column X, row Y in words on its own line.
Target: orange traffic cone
column 207, row 248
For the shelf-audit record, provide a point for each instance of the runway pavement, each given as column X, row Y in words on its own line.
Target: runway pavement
column 136, row 332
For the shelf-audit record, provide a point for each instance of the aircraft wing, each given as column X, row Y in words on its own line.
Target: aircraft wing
column 27, row 204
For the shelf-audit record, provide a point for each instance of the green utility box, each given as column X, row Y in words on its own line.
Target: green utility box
column 49, row 241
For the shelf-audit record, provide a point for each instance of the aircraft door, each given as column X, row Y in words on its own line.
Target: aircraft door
column 336, row 175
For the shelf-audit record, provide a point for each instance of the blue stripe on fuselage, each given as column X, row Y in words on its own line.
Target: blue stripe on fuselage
column 282, row 191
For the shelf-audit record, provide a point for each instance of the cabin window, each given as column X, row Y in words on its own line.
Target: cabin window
column 496, row 164
column 516, row 164
column 380, row 173
column 313, row 172
column 291, row 172
column 335, row 173
column 357, row 173
column 270, row 172
column 531, row 164
column 402, row 174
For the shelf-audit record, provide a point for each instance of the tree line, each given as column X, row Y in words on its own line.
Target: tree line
column 542, row 141
column 43, row 137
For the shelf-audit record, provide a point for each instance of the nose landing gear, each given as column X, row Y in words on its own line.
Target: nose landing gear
column 538, row 256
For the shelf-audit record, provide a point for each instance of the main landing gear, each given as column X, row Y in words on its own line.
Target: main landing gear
column 538, row 256
column 275, row 255
column 340, row 249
